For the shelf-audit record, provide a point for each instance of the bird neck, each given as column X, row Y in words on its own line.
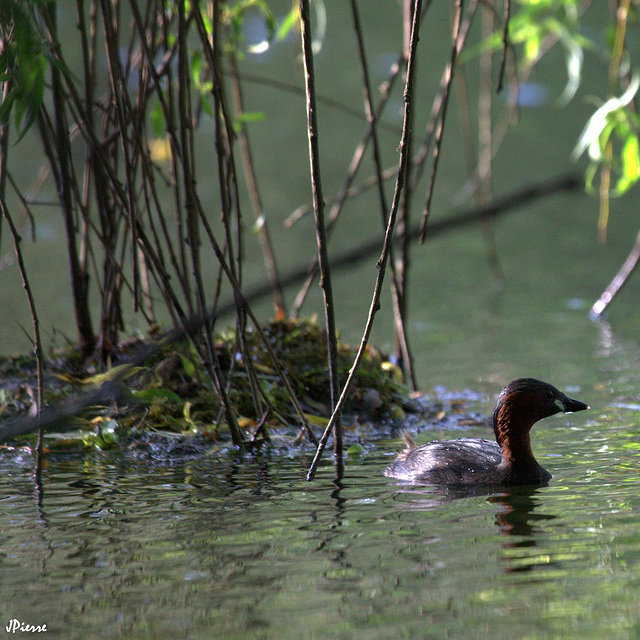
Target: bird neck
column 517, row 450
column 512, row 427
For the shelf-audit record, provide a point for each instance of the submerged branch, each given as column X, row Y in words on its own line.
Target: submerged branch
column 59, row 415
column 55, row 416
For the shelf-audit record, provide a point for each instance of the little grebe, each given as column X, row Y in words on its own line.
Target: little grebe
column 508, row 461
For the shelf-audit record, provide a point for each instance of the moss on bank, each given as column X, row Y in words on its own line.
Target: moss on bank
column 172, row 393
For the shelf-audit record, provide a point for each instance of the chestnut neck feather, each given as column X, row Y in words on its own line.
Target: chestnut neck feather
column 512, row 421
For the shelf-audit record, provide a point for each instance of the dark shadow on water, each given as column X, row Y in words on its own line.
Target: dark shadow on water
column 433, row 495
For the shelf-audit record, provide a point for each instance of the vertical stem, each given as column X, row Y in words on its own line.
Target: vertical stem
column 193, row 213
column 277, row 295
column 113, row 233
column 318, row 207
column 4, row 154
column 399, row 316
column 505, row 45
column 455, row 50
column 621, row 17
column 79, row 277
column 341, row 197
column 403, row 262
column 388, row 238
column 4, row 213
column 485, row 144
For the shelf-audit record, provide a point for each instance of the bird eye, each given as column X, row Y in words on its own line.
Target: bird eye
column 549, row 394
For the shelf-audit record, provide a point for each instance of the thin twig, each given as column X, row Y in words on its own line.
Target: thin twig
column 618, row 282
column 320, row 99
column 321, row 236
column 399, row 308
column 61, row 157
column 419, row 160
column 455, row 50
column 225, row 161
column 34, row 317
column 4, row 211
column 346, row 191
column 382, row 261
column 251, row 180
column 505, row 45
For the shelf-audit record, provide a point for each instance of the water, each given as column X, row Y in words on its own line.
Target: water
column 227, row 547
column 246, row 549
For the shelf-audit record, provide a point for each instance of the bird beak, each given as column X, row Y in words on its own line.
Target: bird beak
column 569, row 405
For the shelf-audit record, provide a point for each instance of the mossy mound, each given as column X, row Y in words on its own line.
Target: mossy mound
column 173, row 392
column 181, row 396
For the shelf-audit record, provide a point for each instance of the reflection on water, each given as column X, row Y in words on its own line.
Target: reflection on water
column 247, row 549
column 518, row 517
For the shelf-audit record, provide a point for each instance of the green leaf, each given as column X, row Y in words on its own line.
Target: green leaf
column 157, row 120
column 289, row 23
column 197, row 74
column 207, row 107
column 246, row 118
column 196, row 68
column 355, row 451
column 599, row 126
column 31, row 94
column 7, row 106
column 149, row 395
column 574, row 59
column 188, row 366
column 630, row 165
